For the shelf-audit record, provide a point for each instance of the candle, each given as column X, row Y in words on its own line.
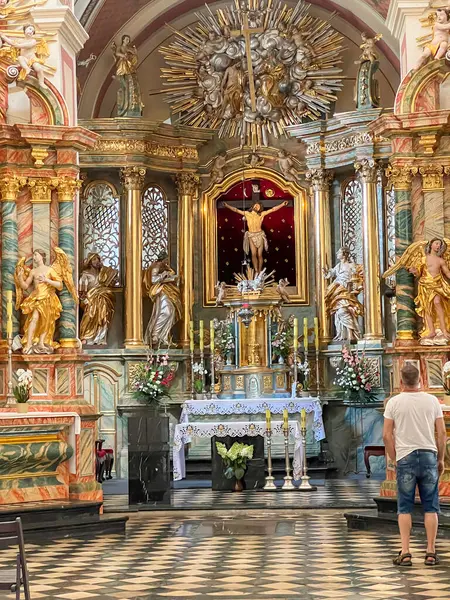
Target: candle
column 285, row 420
column 9, row 313
column 316, row 332
column 191, row 335
column 303, row 419
column 295, row 333
column 211, row 336
column 305, row 333
column 201, row 336
column 268, row 419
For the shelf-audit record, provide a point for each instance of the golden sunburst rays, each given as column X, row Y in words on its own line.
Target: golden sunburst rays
column 295, row 59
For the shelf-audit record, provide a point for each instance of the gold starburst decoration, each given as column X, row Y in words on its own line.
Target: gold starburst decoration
column 252, row 69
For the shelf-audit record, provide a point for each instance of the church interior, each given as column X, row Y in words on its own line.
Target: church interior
column 224, row 231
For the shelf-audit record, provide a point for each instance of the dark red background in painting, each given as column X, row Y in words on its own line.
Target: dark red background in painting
column 278, row 226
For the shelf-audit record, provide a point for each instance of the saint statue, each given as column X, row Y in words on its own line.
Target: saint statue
column 42, row 307
column 160, row 285
column 341, row 297
column 430, row 262
column 129, row 97
column 255, row 240
column 97, row 300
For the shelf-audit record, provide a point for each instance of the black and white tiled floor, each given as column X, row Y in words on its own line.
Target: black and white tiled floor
column 256, row 554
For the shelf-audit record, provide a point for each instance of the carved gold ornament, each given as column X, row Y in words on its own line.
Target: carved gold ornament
column 117, row 146
column 253, row 68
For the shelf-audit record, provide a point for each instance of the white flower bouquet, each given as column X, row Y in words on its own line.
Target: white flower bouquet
column 24, row 384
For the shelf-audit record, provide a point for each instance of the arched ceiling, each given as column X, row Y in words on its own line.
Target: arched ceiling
column 145, row 21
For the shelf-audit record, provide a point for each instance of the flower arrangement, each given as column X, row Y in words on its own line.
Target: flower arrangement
column 199, row 372
column 304, row 372
column 223, row 337
column 355, row 377
column 283, row 341
column 151, row 380
column 24, row 384
column 235, row 459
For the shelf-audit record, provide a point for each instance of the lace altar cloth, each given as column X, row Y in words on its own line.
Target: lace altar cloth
column 215, row 407
column 184, row 432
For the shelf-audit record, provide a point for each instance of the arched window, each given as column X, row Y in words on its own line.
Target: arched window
column 100, row 213
column 155, row 228
column 351, row 219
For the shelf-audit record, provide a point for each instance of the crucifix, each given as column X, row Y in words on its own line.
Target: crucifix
column 246, row 32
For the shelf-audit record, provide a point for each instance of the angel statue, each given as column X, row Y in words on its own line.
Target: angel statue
column 97, row 300
column 42, row 307
column 369, row 51
column 430, row 262
column 29, row 53
column 341, row 298
column 286, row 165
column 160, row 285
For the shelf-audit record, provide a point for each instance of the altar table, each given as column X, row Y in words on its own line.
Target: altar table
column 185, row 431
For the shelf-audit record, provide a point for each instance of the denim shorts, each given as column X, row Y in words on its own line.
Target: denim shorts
column 418, row 468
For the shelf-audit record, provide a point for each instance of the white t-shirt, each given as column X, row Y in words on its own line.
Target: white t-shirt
column 414, row 415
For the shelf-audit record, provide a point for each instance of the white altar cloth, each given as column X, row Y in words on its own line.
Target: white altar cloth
column 276, row 406
column 74, row 428
column 185, row 431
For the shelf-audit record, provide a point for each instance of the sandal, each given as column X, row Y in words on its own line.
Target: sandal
column 403, row 560
column 431, row 559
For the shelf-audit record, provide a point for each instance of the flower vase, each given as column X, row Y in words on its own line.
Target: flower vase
column 229, row 359
column 22, row 407
column 280, row 360
column 199, row 396
column 238, row 486
column 304, row 393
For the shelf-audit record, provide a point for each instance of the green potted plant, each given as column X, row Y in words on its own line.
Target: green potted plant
column 235, row 461
column 22, row 390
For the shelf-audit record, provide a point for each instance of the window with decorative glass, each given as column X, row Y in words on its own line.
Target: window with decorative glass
column 351, row 218
column 100, row 224
column 155, row 225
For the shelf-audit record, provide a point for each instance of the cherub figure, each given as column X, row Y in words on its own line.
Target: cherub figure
column 217, row 173
column 429, row 262
column 42, row 308
column 368, row 48
column 255, row 240
column 286, row 165
column 254, row 160
column 438, row 46
column 282, row 290
column 221, row 292
column 31, row 53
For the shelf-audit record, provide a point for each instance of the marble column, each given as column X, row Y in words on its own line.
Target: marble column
column 187, row 184
column 9, row 188
column 67, row 189
column 373, row 326
column 433, row 200
column 133, row 183
column 400, row 178
column 320, row 182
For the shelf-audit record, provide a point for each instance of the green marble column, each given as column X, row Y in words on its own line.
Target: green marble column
column 10, row 245
column 406, row 315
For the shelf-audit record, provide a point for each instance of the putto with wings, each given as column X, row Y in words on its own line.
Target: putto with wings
column 430, row 263
column 42, row 307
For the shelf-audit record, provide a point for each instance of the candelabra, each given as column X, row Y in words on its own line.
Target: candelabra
column 305, row 486
column 213, row 378
column 202, row 363
column 294, row 383
column 10, row 394
column 270, row 480
column 317, row 372
column 192, row 373
column 287, row 485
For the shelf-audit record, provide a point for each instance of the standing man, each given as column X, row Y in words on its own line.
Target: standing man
column 410, row 421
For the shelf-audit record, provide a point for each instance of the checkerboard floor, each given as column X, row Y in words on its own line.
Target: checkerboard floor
column 308, row 555
column 335, row 493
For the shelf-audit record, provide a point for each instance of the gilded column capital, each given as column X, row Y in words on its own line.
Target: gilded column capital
column 367, row 169
column 400, row 176
column 132, row 178
column 187, row 184
column 432, row 177
column 10, row 187
column 41, row 190
column 320, row 179
column 67, row 187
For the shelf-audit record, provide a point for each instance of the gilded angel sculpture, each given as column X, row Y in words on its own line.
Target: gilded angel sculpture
column 369, row 51
column 97, row 300
column 29, row 53
column 430, row 262
column 160, row 285
column 42, row 307
column 16, row 10
column 438, row 45
column 129, row 97
column 341, row 297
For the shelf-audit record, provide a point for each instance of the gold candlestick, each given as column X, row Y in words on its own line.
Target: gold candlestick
column 9, row 336
column 305, row 486
column 270, row 480
column 287, row 485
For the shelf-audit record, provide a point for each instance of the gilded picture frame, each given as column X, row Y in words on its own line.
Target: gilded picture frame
column 300, row 295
